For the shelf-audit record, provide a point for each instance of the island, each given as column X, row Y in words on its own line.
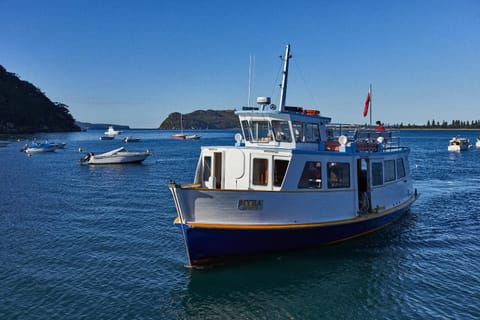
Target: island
column 201, row 120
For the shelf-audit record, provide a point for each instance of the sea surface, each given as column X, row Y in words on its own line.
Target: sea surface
column 97, row 242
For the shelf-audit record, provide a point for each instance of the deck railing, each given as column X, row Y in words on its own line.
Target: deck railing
column 366, row 138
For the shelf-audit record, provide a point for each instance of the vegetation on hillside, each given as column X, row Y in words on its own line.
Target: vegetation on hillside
column 454, row 124
column 24, row 108
column 202, row 119
column 100, row 126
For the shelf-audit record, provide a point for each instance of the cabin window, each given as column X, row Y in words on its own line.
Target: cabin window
column 281, row 131
column 338, row 174
column 311, row 176
column 260, row 172
column 389, row 168
column 377, row 173
column 298, row 131
column 312, row 132
column 207, row 167
column 400, row 168
column 261, row 131
column 306, row 132
column 279, row 170
column 246, row 130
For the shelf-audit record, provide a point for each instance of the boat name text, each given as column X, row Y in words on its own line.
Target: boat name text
column 250, row 204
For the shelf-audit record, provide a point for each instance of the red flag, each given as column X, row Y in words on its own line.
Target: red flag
column 367, row 103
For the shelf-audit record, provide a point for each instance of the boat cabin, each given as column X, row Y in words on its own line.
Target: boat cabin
column 296, row 150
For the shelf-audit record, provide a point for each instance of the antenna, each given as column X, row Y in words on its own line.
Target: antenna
column 251, row 75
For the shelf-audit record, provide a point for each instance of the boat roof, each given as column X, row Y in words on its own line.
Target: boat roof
column 290, row 113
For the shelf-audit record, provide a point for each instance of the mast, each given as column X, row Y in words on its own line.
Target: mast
column 251, row 74
column 181, row 122
column 283, row 86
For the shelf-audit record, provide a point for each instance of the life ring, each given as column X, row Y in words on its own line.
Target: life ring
column 312, row 112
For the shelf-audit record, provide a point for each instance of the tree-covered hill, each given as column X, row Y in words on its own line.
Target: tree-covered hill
column 202, row 119
column 24, row 108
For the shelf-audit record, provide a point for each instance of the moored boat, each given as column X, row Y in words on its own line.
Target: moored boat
column 40, row 147
column 293, row 180
column 112, row 132
column 116, row 156
column 477, row 143
column 131, row 139
column 192, row 137
column 458, row 144
column 179, row 136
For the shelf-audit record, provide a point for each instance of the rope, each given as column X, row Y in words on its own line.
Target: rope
column 305, row 83
column 276, row 80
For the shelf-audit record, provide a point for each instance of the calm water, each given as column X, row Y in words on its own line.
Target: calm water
column 79, row 242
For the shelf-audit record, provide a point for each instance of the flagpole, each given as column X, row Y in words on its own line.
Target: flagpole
column 371, row 105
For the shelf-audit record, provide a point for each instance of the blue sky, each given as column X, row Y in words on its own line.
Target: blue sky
column 134, row 62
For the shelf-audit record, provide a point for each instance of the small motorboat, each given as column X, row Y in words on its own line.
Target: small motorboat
column 192, row 137
column 458, row 144
column 39, row 147
column 131, row 139
column 112, row 132
column 116, row 156
column 107, row 137
column 477, row 144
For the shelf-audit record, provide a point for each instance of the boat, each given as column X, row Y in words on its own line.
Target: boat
column 180, row 135
column 477, row 143
column 40, row 147
column 131, row 139
column 112, row 132
column 458, row 144
column 292, row 180
column 185, row 136
column 116, row 156
column 107, row 137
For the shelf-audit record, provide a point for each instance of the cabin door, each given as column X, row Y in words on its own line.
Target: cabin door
column 362, row 185
column 218, row 169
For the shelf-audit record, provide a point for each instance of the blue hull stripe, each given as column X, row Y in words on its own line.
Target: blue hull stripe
column 205, row 244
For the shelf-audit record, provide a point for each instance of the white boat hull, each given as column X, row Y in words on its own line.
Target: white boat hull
column 41, row 149
column 117, row 156
column 119, row 159
column 457, row 148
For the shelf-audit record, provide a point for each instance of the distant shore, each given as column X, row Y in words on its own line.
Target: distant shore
column 437, row 129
